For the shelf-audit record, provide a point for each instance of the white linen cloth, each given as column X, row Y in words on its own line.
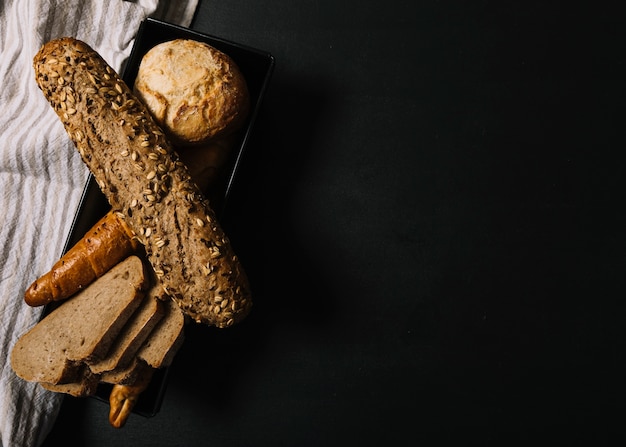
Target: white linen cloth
column 41, row 174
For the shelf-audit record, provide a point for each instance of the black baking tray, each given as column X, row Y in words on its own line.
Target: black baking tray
column 257, row 67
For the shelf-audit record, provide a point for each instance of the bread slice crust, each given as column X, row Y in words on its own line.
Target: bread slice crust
column 133, row 334
column 82, row 328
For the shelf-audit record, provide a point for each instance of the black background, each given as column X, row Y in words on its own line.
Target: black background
column 431, row 211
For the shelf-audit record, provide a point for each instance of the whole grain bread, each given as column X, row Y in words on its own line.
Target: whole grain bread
column 132, row 335
column 127, row 374
column 166, row 339
column 82, row 328
column 144, row 180
column 157, row 351
column 85, row 384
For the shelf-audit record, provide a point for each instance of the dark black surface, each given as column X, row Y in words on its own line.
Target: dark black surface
column 433, row 221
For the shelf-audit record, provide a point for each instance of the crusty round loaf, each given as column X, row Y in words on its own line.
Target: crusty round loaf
column 206, row 162
column 144, row 180
column 193, row 90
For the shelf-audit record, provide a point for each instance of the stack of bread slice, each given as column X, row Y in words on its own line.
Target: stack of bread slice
column 116, row 330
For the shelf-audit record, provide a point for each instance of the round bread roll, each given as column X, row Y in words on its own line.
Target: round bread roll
column 206, row 162
column 194, row 91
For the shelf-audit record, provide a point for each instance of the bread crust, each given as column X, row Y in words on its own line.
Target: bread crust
column 133, row 334
column 194, row 91
column 163, row 343
column 86, row 384
column 144, row 180
column 206, row 163
column 55, row 349
column 104, row 245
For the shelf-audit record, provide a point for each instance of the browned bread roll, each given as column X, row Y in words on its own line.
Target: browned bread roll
column 123, row 398
column 143, row 179
column 206, row 163
column 105, row 244
column 194, row 91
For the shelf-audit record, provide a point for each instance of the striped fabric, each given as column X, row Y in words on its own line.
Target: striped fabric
column 41, row 174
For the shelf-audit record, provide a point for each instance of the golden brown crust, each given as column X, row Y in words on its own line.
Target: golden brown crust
column 194, row 91
column 124, row 397
column 105, row 244
column 142, row 177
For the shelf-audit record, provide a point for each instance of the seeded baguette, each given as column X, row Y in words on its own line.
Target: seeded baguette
column 145, row 182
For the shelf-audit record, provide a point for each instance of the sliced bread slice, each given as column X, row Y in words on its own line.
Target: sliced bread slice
column 132, row 336
column 126, row 375
column 86, row 385
column 82, row 328
column 166, row 338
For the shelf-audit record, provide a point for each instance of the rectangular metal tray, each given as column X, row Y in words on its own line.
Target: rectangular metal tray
column 257, row 67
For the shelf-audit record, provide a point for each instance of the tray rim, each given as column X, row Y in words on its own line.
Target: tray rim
column 91, row 193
